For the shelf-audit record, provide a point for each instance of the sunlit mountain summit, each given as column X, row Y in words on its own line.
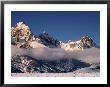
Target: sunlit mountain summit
column 22, row 37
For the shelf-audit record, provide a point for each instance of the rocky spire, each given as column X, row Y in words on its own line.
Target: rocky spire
column 20, row 32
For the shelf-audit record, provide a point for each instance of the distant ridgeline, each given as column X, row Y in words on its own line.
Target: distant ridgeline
column 22, row 37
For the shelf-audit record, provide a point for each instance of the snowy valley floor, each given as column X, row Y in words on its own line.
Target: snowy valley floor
column 72, row 74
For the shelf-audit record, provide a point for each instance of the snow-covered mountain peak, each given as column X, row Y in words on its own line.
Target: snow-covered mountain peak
column 23, row 37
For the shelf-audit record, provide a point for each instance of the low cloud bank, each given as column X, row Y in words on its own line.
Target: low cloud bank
column 91, row 55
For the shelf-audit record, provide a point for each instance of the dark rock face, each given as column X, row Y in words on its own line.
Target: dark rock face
column 88, row 41
column 48, row 40
column 30, row 65
column 14, row 70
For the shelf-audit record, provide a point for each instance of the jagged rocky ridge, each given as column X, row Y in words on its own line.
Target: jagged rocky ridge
column 28, row 64
column 22, row 37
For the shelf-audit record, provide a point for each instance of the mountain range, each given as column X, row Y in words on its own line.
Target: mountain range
column 44, row 54
column 22, row 36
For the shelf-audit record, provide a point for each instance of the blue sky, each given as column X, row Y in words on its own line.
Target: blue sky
column 62, row 25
